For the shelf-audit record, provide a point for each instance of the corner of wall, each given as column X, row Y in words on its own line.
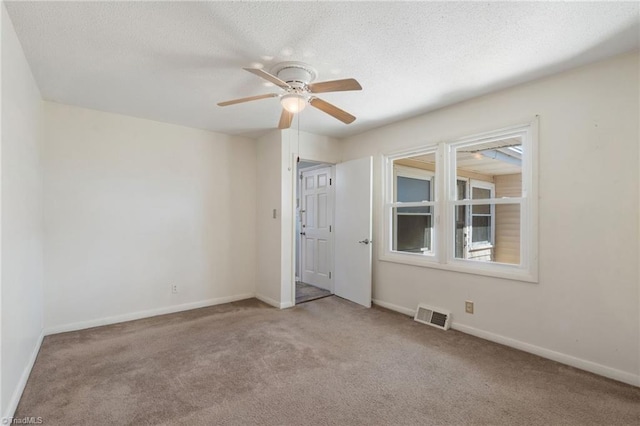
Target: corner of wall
column 21, row 297
column 268, row 213
column 22, row 383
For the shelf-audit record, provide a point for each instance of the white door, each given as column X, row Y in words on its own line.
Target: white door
column 353, row 225
column 317, row 214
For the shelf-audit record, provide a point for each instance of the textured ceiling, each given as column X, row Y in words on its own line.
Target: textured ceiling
column 173, row 61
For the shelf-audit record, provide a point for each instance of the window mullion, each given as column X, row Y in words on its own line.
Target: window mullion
column 413, row 204
column 495, row 201
column 442, row 209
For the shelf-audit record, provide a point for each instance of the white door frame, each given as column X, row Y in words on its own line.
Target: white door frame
column 294, row 239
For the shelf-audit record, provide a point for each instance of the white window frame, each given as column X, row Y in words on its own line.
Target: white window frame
column 389, row 203
column 444, row 203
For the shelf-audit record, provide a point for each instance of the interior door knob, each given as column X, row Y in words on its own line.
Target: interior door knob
column 365, row 241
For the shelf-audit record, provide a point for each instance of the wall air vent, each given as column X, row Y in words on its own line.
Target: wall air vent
column 435, row 317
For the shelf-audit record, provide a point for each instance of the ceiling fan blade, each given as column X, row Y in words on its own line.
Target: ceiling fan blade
column 285, row 119
column 335, row 86
column 250, row 98
column 332, row 110
column 269, row 77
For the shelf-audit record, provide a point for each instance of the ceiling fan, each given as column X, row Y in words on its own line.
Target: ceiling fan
column 296, row 79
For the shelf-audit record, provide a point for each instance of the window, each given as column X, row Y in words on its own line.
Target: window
column 412, row 209
column 466, row 205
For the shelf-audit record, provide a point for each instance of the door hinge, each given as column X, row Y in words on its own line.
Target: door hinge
column 329, row 228
column 329, row 275
column 300, row 176
column 330, row 180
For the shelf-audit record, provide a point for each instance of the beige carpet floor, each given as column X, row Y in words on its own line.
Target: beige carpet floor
column 326, row 362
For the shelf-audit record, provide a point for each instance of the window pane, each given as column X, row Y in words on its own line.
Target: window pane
column 415, row 210
column 461, row 189
column 481, row 229
column 414, row 178
column 426, row 161
column 481, row 209
column 507, row 233
column 412, row 189
column 481, row 193
column 475, row 239
column 460, row 231
column 498, row 162
column 413, row 232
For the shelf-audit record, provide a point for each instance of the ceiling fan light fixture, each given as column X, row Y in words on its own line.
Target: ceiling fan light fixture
column 296, row 79
column 293, row 102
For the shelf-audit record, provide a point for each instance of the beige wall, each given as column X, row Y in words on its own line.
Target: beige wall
column 269, row 228
column 584, row 310
column 133, row 206
column 21, row 226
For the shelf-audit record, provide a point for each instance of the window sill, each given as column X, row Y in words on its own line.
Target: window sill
column 496, row 270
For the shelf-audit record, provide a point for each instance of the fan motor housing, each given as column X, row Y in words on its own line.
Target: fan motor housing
column 297, row 74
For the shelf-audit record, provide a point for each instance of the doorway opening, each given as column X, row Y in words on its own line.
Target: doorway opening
column 314, row 247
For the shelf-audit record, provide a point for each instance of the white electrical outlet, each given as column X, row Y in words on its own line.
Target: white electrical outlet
column 468, row 307
column 174, row 288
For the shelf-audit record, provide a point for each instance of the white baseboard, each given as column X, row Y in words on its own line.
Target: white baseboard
column 592, row 367
column 602, row 370
column 17, row 393
column 144, row 314
column 273, row 302
column 268, row 300
column 391, row 306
